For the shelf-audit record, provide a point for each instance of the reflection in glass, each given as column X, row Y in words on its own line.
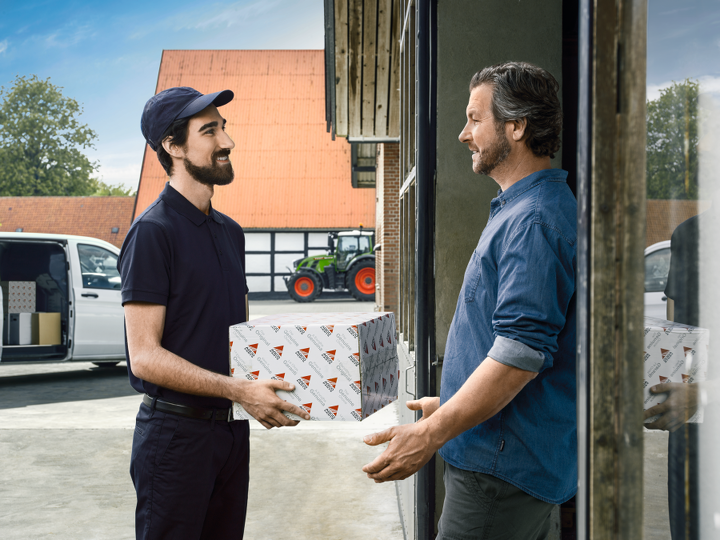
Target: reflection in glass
column 682, row 464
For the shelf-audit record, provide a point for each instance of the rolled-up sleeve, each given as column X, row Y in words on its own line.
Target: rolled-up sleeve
column 536, row 281
column 144, row 264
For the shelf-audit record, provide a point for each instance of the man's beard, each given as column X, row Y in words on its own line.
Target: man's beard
column 494, row 154
column 213, row 175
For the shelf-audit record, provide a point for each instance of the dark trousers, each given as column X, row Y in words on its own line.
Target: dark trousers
column 683, row 496
column 482, row 507
column 190, row 476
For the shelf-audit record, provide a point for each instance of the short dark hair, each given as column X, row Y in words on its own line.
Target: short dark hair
column 523, row 90
column 178, row 132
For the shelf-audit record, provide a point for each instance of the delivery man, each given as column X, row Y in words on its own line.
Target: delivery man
column 183, row 284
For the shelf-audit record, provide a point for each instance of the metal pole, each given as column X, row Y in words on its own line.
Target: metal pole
column 584, row 140
column 424, row 240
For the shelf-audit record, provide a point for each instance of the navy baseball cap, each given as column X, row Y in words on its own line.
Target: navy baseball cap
column 165, row 107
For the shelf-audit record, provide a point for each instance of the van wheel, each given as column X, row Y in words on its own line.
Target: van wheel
column 106, row 364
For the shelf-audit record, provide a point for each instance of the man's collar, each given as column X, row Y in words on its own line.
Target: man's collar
column 531, row 181
column 184, row 207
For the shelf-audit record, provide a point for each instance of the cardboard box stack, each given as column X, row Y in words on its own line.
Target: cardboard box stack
column 344, row 365
column 673, row 352
column 22, row 325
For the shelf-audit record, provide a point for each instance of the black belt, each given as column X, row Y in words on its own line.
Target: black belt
column 184, row 410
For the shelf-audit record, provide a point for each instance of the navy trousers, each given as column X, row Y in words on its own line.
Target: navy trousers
column 190, row 476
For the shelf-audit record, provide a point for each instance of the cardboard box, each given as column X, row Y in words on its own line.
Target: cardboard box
column 673, row 352
column 21, row 296
column 46, row 328
column 19, row 329
column 344, row 365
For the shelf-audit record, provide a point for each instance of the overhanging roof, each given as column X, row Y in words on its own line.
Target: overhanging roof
column 362, row 69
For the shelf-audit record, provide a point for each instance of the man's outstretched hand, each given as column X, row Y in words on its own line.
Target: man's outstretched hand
column 680, row 405
column 411, row 445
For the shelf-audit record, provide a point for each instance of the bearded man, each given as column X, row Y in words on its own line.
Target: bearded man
column 505, row 419
column 183, row 284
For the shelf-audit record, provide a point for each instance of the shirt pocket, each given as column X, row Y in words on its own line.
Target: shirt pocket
column 473, row 275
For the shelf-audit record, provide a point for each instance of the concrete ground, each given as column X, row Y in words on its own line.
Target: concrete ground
column 65, row 439
column 656, row 517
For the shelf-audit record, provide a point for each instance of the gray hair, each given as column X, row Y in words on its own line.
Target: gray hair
column 524, row 91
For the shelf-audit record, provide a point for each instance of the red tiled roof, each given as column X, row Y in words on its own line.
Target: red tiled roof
column 289, row 173
column 82, row 216
column 664, row 215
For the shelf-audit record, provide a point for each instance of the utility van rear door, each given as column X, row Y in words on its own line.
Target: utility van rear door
column 99, row 317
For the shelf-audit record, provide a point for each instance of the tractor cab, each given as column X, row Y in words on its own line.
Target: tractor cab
column 350, row 244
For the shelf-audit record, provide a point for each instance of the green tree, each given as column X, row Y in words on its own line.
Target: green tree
column 42, row 142
column 672, row 138
column 104, row 190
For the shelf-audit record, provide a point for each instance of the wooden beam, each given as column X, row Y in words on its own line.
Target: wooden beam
column 341, row 68
column 369, row 66
column 617, row 240
column 355, row 69
column 394, row 89
column 382, row 79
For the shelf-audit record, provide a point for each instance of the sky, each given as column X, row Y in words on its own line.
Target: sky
column 106, row 55
column 683, row 42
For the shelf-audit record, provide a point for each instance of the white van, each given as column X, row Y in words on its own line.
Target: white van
column 76, row 286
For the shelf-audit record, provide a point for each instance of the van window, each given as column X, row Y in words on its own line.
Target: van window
column 98, row 267
column 657, row 267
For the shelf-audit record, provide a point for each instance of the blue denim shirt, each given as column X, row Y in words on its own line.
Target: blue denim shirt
column 517, row 306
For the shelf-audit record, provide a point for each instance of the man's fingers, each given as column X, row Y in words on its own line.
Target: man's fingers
column 378, row 438
column 281, row 385
column 414, row 405
column 294, row 409
column 663, row 387
column 386, row 476
column 377, row 465
column 660, row 408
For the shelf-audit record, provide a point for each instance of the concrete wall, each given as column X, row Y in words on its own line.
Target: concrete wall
column 473, row 34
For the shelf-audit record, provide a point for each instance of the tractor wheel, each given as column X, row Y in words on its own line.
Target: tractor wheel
column 304, row 287
column 360, row 280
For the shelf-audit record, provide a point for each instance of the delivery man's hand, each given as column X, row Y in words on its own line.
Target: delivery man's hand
column 680, row 405
column 411, row 447
column 262, row 403
column 427, row 405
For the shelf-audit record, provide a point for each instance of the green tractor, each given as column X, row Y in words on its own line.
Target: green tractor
column 349, row 264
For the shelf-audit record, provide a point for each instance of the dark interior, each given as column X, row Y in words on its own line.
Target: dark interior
column 45, row 263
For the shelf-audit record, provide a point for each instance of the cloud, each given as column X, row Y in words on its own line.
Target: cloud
column 709, row 84
column 238, row 13
column 120, row 161
column 3, row 46
column 66, row 36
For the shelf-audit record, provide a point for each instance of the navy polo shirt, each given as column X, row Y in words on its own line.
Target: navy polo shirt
column 194, row 265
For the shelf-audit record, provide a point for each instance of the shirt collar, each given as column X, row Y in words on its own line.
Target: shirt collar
column 529, row 182
column 184, row 207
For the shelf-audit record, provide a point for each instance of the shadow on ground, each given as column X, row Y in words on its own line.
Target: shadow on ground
column 63, row 386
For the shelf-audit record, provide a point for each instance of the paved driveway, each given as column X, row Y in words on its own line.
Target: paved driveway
column 65, row 438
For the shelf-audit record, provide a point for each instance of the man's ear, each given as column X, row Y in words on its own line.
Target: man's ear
column 171, row 148
column 518, row 129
